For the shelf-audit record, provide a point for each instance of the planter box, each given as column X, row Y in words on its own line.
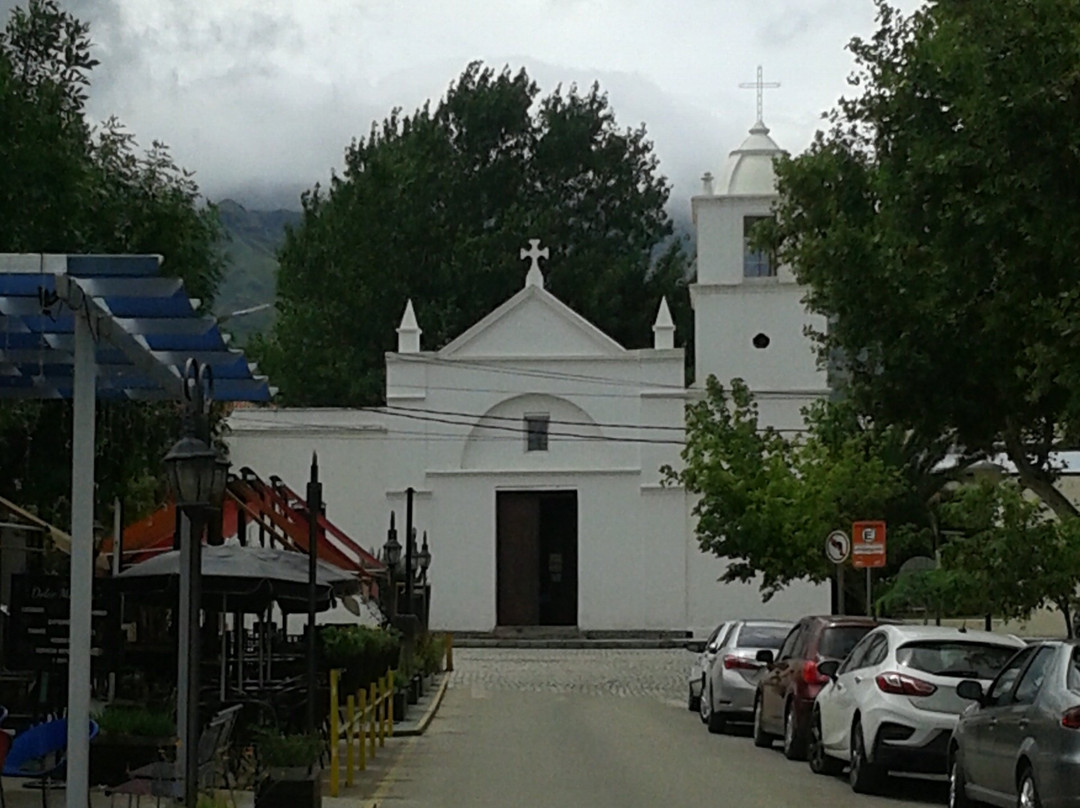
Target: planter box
column 112, row 757
column 414, row 691
column 302, row 793
column 401, row 700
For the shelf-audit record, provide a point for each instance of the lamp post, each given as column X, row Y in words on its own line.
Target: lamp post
column 423, row 560
column 392, row 557
column 314, row 508
column 197, row 476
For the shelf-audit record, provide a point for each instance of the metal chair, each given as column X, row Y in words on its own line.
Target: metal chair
column 166, row 779
column 39, row 754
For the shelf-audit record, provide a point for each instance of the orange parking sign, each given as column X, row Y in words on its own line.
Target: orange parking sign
column 868, row 545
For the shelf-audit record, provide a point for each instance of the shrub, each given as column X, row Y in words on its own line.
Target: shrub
column 141, row 722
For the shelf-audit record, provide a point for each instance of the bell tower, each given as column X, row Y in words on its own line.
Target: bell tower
column 749, row 320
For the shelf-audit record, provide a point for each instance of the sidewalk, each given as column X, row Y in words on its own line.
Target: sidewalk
column 365, row 787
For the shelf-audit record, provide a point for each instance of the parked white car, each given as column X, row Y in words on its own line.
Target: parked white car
column 891, row 705
column 696, row 679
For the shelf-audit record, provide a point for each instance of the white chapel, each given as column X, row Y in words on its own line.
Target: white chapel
column 534, row 442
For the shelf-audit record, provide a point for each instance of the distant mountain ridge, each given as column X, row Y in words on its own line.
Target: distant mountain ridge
column 253, row 238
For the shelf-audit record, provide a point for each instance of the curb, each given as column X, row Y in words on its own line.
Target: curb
column 422, row 724
column 583, row 643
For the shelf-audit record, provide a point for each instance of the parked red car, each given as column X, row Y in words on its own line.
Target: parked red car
column 786, row 692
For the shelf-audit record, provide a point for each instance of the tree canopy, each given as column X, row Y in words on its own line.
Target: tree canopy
column 70, row 187
column 934, row 224
column 435, row 206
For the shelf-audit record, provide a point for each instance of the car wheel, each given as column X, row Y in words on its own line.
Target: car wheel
column 1027, row 795
column 761, row 737
column 794, row 743
column 820, row 762
column 865, row 776
column 693, row 703
column 715, row 722
column 704, row 704
column 958, row 797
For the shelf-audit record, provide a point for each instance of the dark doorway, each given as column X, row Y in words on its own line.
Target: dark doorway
column 536, row 558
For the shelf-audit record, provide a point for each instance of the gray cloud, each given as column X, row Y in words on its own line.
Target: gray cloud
column 261, row 97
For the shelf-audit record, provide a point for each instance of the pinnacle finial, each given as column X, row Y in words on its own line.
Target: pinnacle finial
column 663, row 328
column 409, row 331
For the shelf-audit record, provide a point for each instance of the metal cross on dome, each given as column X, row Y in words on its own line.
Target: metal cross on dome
column 760, row 85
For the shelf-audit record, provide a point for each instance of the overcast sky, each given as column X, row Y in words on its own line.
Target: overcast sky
column 261, row 97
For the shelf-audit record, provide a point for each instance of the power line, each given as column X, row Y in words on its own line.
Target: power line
column 517, row 419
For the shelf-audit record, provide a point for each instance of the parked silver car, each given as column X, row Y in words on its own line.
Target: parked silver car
column 732, row 676
column 696, row 679
column 1019, row 744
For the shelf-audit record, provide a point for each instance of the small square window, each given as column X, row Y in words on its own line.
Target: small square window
column 756, row 264
column 536, row 433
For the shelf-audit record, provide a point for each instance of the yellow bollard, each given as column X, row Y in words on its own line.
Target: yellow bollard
column 363, row 741
column 374, row 708
column 335, row 732
column 350, row 730
column 449, row 648
column 390, row 687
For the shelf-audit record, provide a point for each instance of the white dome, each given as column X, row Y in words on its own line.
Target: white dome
column 749, row 170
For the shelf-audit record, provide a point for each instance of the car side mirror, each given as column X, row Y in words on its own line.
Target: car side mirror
column 829, row 668
column 765, row 655
column 697, row 646
column 971, row 690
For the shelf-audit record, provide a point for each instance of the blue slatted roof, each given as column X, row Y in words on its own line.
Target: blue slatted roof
column 146, row 329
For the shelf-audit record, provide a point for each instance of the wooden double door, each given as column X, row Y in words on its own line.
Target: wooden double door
column 536, row 550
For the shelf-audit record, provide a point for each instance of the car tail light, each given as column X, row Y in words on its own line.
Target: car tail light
column 904, row 685
column 740, row 663
column 811, row 675
column 1071, row 719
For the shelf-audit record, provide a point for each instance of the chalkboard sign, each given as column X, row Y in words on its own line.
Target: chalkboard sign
column 40, row 615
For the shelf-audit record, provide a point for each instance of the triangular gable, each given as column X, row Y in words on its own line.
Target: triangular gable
column 533, row 323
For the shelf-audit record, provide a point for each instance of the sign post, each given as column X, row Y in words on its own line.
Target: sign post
column 837, row 550
column 868, row 552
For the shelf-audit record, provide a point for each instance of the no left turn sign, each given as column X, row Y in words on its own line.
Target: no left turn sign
column 838, row 547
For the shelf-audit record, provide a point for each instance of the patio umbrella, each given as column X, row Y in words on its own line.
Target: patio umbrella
column 248, row 577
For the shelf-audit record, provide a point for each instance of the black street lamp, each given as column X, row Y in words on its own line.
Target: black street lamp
column 424, row 558
column 197, row 476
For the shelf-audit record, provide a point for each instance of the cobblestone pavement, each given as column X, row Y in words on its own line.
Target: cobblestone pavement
column 659, row 673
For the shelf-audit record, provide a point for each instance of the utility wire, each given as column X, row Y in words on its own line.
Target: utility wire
column 518, row 420
column 502, row 367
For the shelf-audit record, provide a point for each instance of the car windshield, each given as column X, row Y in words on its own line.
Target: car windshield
column 760, row 636
column 963, row 660
column 837, row 641
column 1074, row 671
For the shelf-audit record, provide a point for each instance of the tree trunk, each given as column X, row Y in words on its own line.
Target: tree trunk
column 1066, row 610
column 1039, row 481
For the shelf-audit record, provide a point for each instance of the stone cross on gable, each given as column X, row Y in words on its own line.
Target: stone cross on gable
column 534, row 277
column 760, row 85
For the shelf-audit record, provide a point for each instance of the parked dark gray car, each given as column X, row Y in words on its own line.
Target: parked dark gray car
column 1019, row 744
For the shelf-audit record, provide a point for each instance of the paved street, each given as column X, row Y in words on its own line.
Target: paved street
column 596, row 729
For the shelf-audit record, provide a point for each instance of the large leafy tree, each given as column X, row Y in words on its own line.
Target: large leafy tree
column 435, row 206
column 935, row 225
column 766, row 501
column 69, row 187
column 1007, row 556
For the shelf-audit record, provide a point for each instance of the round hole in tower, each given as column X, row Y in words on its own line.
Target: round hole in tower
column 761, row 341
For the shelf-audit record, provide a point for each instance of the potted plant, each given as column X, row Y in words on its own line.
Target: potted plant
column 290, row 774
column 129, row 737
column 401, row 696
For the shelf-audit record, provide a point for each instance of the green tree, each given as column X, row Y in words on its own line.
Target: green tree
column 935, row 225
column 435, row 206
column 767, row 501
column 69, row 188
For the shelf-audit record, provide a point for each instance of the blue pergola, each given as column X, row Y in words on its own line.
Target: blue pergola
column 81, row 327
